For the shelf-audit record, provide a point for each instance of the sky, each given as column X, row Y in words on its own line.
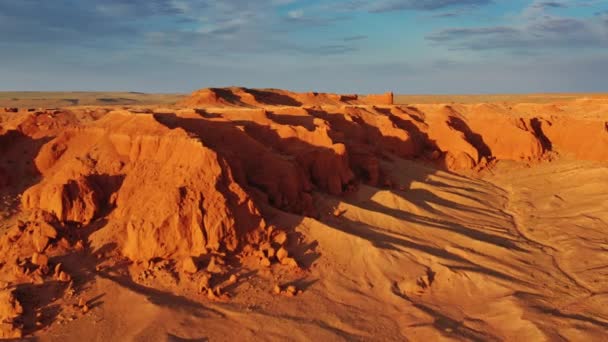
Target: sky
column 347, row 46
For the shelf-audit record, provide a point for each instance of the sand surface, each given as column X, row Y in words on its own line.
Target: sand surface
column 414, row 222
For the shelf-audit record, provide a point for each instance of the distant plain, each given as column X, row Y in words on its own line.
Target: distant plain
column 78, row 98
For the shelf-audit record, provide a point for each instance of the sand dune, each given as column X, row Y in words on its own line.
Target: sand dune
column 243, row 214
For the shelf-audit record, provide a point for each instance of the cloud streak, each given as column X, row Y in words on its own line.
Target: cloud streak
column 422, row 5
column 342, row 45
column 538, row 30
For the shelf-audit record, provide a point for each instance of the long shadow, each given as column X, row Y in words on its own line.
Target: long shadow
column 228, row 95
column 253, row 164
column 272, row 98
column 175, row 338
column 17, row 154
column 537, row 127
column 450, row 327
column 293, row 120
column 424, row 143
column 414, row 113
column 366, row 145
column 423, row 198
column 386, row 241
column 574, row 316
column 475, row 138
column 158, row 297
column 448, row 226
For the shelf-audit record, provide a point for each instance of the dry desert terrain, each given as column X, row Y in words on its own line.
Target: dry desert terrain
column 260, row 214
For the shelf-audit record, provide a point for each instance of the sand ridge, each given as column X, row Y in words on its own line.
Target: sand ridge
column 386, row 221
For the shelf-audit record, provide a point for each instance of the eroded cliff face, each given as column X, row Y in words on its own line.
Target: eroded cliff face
column 178, row 184
column 246, row 97
column 166, row 194
column 187, row 184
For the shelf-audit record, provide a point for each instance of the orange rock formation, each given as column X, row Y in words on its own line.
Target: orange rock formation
column 189, row 183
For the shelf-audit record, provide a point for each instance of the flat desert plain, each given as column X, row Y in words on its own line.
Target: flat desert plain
column 238, row 214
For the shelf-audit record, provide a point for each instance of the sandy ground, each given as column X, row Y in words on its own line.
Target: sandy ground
column 63, row 99
column 515, row 250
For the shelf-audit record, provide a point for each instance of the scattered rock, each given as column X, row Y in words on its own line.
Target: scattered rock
column 280, row 238
column 265, row 262
column 211, row 295
column 291, row 262
column 10, row 312
column 39, row 259
column 42, row 233
column 338, row 212
column 215, row 265
column 79, row 246
column 291, row 289
column 64, row 277
column 57, row 270
column 282, row 254
column 204, row 283
column 271, row 252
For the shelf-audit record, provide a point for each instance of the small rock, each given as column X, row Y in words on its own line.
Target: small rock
column 265, row 246
column 282, row 254
column 277, row 289
column 265, row 262
column 64, row 277
column 338, row 212
column 233, row 279
column 42, row 234
column 291, row 262
column 271, row 252
column 63, row 242
column 37, row 279
column 40, row 243
column 57, row 270
column 79, row 246
column 280, row 238
column 203, row 285
column 211, row 295
column 39, row 259
column 213, row 266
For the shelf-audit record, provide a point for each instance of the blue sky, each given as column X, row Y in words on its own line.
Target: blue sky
column 407, row 46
